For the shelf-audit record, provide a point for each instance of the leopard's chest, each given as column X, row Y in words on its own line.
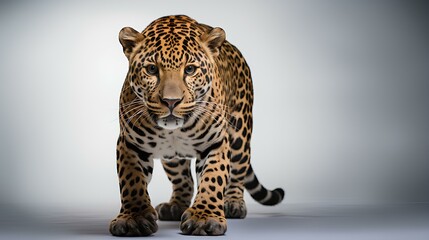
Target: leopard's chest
column 172, row 145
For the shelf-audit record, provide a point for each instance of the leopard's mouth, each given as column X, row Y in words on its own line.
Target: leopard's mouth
column 170, row 122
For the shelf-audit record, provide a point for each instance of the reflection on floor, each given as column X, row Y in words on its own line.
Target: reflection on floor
column 287, row 221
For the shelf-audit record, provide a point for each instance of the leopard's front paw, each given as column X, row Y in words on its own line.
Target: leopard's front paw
column 135, row 224
column 235, row 208
column 200, row 222
column 170, row 211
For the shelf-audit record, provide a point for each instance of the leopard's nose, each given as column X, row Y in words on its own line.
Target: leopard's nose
column 171, row 103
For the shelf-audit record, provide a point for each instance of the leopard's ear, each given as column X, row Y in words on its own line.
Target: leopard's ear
column 129, row 37
column 213, row 39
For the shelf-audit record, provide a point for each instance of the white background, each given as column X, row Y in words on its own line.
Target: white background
column 341, row 92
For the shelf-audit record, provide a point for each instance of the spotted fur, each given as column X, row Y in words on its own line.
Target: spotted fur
column 187, row 95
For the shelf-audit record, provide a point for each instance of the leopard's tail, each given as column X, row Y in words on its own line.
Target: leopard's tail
column 259, row 192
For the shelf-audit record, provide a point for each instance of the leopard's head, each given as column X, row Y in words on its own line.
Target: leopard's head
column 171, row 66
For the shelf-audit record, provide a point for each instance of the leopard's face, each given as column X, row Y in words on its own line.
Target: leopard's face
column 170, row 71
column 171, row 94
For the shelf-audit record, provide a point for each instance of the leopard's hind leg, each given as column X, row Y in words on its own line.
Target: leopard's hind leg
column 179, row 174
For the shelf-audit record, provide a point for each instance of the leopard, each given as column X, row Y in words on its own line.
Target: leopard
column 187, row 97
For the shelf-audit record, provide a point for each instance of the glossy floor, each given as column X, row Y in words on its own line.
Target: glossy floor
column 287, row 221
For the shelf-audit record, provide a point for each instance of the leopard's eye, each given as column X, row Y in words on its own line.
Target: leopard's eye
column 152, row 69
column 190, row 69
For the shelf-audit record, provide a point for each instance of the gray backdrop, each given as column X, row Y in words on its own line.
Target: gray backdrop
column 341, row 93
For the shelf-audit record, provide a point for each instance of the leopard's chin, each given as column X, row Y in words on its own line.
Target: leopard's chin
column 170, row 122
